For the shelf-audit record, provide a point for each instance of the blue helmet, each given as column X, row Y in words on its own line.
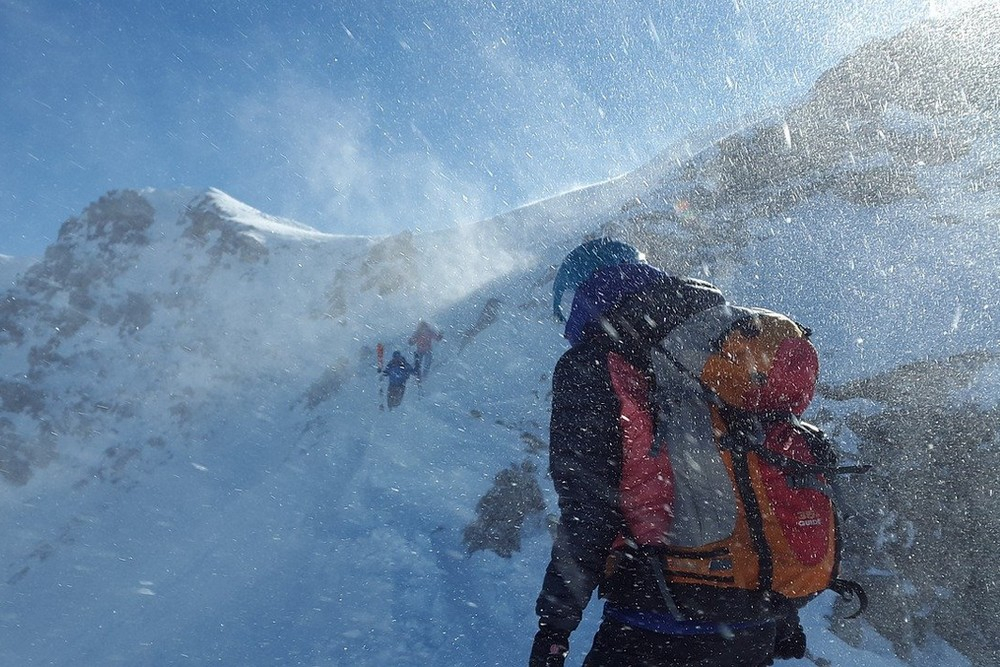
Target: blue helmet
column 583, row 261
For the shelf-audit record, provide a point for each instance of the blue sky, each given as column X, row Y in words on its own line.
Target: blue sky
column 372, row 117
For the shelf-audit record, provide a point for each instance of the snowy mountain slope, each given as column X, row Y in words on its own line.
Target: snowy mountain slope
column 197, row 469
column 877, row 195
column 181, row 366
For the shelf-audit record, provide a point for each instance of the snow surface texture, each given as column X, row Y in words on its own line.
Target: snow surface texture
column 197, row 467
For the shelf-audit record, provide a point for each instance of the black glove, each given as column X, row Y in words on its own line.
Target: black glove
column 550, row 648
column 790, row 642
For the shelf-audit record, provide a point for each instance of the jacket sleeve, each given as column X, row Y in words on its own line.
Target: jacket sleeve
column 585, row 465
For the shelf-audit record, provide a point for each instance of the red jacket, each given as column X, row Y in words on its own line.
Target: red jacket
column 424, row 337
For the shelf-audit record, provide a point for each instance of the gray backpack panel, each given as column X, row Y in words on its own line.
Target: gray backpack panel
column 704, row 506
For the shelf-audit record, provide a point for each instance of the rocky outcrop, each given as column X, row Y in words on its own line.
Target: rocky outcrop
column 924, row 538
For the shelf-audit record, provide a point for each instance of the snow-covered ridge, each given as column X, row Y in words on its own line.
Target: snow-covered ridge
column 241, row 213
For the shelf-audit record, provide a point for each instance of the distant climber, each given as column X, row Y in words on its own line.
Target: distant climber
column 398, row 370
column 423, row 339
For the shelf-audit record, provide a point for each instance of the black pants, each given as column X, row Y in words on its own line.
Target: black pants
column 617, row 645
column 422, row 364
column 394, row 396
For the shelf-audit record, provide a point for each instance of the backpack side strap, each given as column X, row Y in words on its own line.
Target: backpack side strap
column 850, row 591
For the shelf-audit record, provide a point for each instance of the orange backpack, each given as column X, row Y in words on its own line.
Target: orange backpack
column 750, row 505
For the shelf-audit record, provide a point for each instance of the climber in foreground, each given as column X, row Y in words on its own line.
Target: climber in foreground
column 674, row 433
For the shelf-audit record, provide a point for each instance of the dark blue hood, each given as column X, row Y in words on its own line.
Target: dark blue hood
column 605, row 288
column 636, row 302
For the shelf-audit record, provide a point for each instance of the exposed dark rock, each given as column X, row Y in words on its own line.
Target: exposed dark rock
column 929, row 522
column 390, row 265
column 328, row 384
column 21, row 397
column 488, row 316
column 502, row 512
column 222, row 237
column 930, row 382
